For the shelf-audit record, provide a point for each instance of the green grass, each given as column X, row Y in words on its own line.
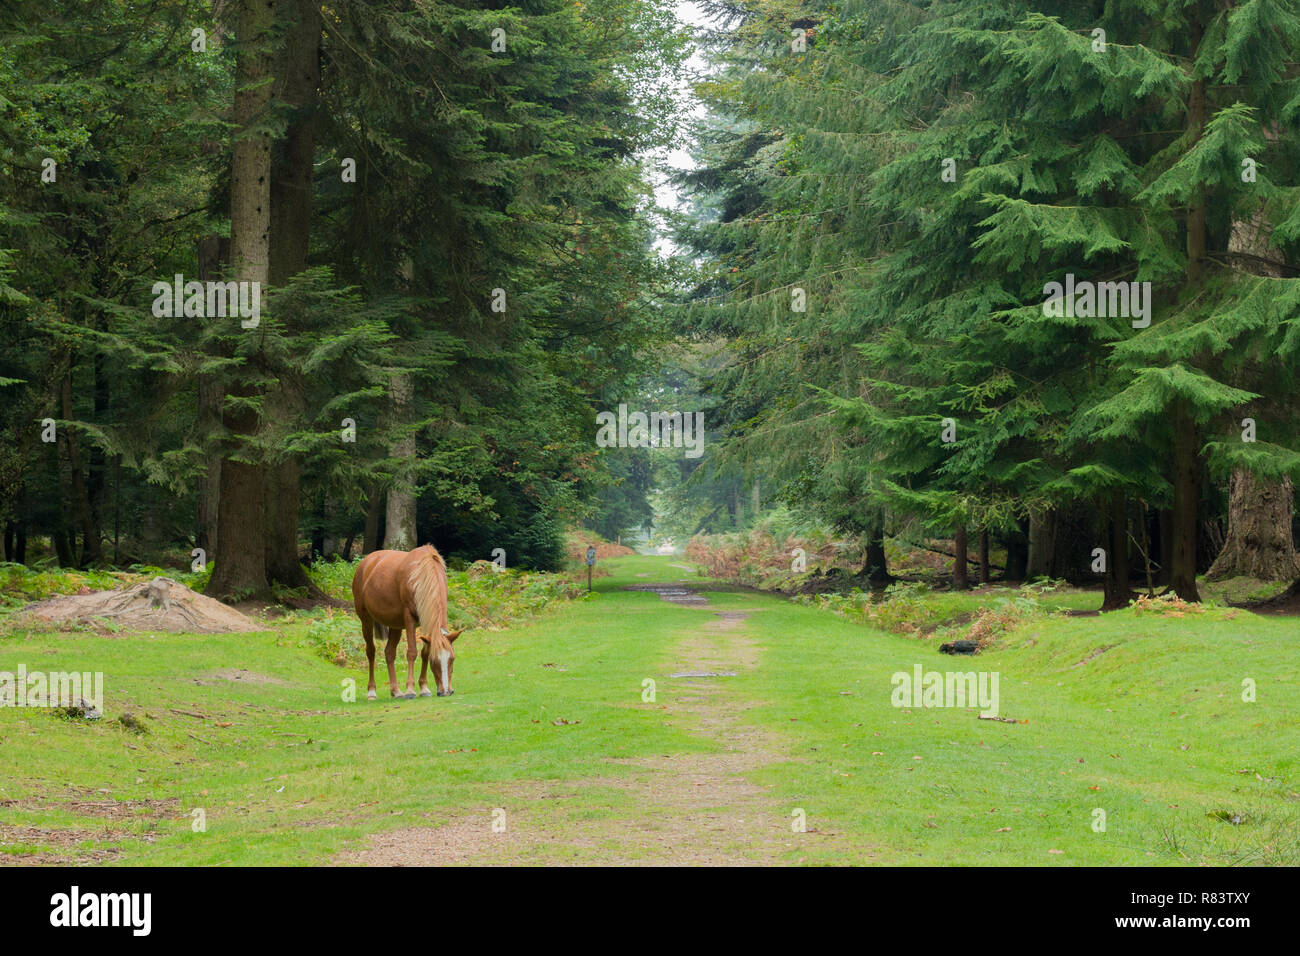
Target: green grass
column 1152, row 730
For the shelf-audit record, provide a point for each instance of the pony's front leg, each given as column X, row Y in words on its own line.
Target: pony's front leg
column 425, row 647
column 410, row 659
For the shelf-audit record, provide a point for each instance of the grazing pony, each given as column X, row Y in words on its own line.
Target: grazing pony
column 406, row 590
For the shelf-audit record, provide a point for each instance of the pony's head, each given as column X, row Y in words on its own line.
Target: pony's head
column 441, row 657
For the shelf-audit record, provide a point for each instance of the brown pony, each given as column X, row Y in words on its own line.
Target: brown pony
column 405, row 590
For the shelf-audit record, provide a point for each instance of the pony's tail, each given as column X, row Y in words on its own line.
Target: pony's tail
column 428, row 580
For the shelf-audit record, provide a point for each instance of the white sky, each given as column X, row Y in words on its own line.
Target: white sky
column 679, row 158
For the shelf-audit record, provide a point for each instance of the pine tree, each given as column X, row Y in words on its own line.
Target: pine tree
column 933, row 170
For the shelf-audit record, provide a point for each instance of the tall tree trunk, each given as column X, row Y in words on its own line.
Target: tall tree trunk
column 214, row 252
column 297, row 84
column 374, row 512
column 1186, row 464
column 1118, row 592
column 1042, row 544
column 90, row 549
column 1259, row 542
column 1017, row 552
column 97, row 472
column 399, row 521
column 1187, row 490
column 213, row 256
column 876, row 566
column 961, row 554
column 241, row 563
column 984, row 555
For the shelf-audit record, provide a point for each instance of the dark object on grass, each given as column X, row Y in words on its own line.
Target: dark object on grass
column 959, row 647
column 132, row 722
column 84, row 709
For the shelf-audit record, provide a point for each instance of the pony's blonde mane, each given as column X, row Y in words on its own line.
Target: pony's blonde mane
column 428, row 580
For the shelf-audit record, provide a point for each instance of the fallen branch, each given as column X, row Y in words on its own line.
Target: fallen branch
column 969, row 559
column 189, row 713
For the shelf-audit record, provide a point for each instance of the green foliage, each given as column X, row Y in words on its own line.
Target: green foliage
column 825, row 172
column 520, row 170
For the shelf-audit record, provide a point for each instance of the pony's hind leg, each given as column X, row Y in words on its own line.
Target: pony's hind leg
column 367, row 631
column 390, row 658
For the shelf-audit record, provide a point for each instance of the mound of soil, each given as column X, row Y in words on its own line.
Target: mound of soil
column 158, row 605
column 576, row 543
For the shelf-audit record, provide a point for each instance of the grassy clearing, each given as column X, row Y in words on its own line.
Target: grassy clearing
column 284, row 769
column 1139, row 716
column 1137, row 713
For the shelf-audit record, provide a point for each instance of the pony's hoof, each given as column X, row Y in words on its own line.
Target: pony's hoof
column 426, row 693
column 410, row 696
column 371, row 695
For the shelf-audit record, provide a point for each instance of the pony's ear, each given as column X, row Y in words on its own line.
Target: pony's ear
column 452, row 635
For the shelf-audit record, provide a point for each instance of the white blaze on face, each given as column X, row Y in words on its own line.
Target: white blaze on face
column 444, row 662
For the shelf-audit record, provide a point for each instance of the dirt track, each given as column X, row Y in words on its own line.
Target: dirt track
column 676, row 809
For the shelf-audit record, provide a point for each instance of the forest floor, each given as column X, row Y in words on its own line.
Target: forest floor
column 667, row 724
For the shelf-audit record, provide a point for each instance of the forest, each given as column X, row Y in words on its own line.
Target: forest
column 1019, row 277
column 832, row 432
column 440, row 208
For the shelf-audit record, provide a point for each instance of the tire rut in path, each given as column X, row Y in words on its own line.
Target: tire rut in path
column 684, row 808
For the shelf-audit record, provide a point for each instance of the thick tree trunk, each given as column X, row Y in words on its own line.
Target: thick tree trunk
column 876, row 566
column 1187, row 489
column 399, row 521
column 1186, row 465
column 1259, row 542
column 214, row 252
column 1042, row 544
column 283, row 563
column 241, row 563
column 1017, row 553
column 374, row 512
column 90, row 549
column 297, row 83
column 984, row 555
column 97, row 473
column 1118, row 591
column 1260, row 510
column 960, row 555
